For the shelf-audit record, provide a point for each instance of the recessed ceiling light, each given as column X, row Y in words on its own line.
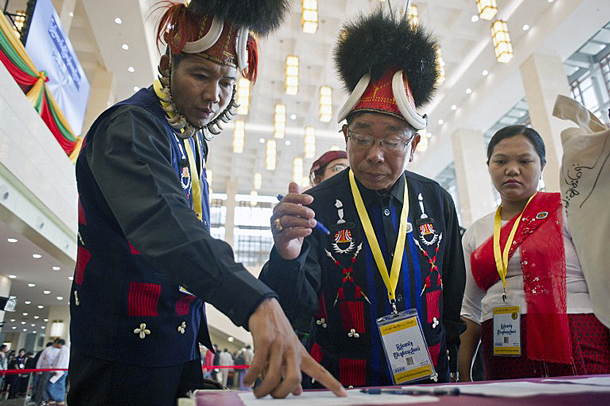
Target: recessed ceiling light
column 27, row 302
column 71, row 14
column 293, row 116
column 60, row 298
column 287, row 142
column 43, row 327
column 453, row 107
column 526, row 27
column 550, row 1
column 468, row 91
column 136, row 88
column 440, row 122
column 46, row 292
column 12, row 320
column 13, row 327
column 125, row 47
column 485, row 72
column 56, row 268
column 261, row 140
column 37, row 256
column 25, row 314
column 31, row 285
column 46, row 320
column 230, row 339
column 12, row 240
column 34, row 332
column 25, row 329
column 131, row 69
column 71, row 278
column 33, row 325
column 23, row 322
column 40, row 306
column 118, row 20
column 474, row 18
column 36, row 317
column 12, row 276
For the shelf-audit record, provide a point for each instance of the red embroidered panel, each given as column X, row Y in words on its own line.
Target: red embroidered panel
column 81, row 214
column 143, row 298
column 432, row 300
column 352, row 314
column 133, row 250
column 81, row 263
column 352, row 372
column 434, row 351
column 316, row 353
column 183, row 304
column 321, row 308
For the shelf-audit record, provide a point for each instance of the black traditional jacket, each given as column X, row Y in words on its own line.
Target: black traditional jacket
column 145, row 262
column 336, row 283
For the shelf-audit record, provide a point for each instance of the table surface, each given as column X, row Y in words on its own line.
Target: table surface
column 231, row 398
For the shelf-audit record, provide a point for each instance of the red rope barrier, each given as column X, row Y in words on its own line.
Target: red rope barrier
column 26, row 371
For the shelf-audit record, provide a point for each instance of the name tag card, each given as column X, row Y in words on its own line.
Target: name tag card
column 507, row 331
column 405, row 347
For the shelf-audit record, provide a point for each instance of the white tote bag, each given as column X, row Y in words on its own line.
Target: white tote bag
column 585, row 190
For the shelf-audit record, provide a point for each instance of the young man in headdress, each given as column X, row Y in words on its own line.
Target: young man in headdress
column 146, row 260
column 394, row 244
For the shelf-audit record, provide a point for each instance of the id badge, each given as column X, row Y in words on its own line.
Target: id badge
column 507, row 331
column 405, row 347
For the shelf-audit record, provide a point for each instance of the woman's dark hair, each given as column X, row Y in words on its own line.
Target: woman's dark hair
column 514, row 130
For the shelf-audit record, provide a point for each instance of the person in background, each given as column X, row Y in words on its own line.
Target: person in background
column 56, row 386
column 14, row 380
column 146, row 259
column 226, row 359
column 394, row 247
column 37, row 386
column 46, row 361
column 523, row 272
column 327, row 166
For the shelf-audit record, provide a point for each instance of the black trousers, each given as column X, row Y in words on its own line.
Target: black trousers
column 96, row 382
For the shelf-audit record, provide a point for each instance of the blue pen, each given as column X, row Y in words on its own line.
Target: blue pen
column 451, row 391
column 321, row 227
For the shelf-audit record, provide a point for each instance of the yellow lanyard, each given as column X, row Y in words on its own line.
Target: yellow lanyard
column 195, row 180
column 501, row 256
column 390, row 281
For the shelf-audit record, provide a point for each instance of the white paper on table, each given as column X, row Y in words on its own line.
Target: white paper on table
column 523, row 389
column 594, row 380
column 327, row 398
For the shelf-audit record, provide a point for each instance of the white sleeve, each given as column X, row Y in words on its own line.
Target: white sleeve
column 473, row 295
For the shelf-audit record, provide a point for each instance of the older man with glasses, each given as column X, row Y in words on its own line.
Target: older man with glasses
column 383, row 290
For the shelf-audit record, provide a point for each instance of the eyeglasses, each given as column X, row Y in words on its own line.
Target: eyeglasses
column 336, row 168
column 362, row 141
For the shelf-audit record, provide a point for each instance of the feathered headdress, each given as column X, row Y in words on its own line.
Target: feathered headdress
column 388, row 65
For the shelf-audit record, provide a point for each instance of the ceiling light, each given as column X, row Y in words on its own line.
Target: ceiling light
column 118, row 21
column 43, row 327
column 502, row 45
column 258, row 181
column 487, row 9
column 12, row 276
column 60, row 298
column 25, row 329
column 23, row 322
column 56, row 268
column 46, row 292
column 309, row 16
column 453, row 107
column 468, row 91
column 25, row 313
column 46, row 320
column 13, row 327
column 230, row 339
column 297, row 170
column 279, row 121
column 261, row 140
column 12, row 240
column 287, row 142
column 474, row 18
column 293, row 116
column 253, row 198
column 125, row 47
column 440, row 122
column 40, row 306
column 550, row 1
column 36, row 317
column 31, row 285
column 485, row 72
column 291, row 84
column 136, row 88
column 413, row 15
column 71, row 278
column 27, row 302
column 12, row 320
column 309, row 146
column 36, row 256
column 131, row 69
column 33, row 325
column 526, row 27
column 71, row 14
column 440, row 64
column 243, row 96
column 271, row 155
column 326, row 104
column 239, row 136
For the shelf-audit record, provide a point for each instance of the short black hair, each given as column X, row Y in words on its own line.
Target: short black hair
column 514, row 130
